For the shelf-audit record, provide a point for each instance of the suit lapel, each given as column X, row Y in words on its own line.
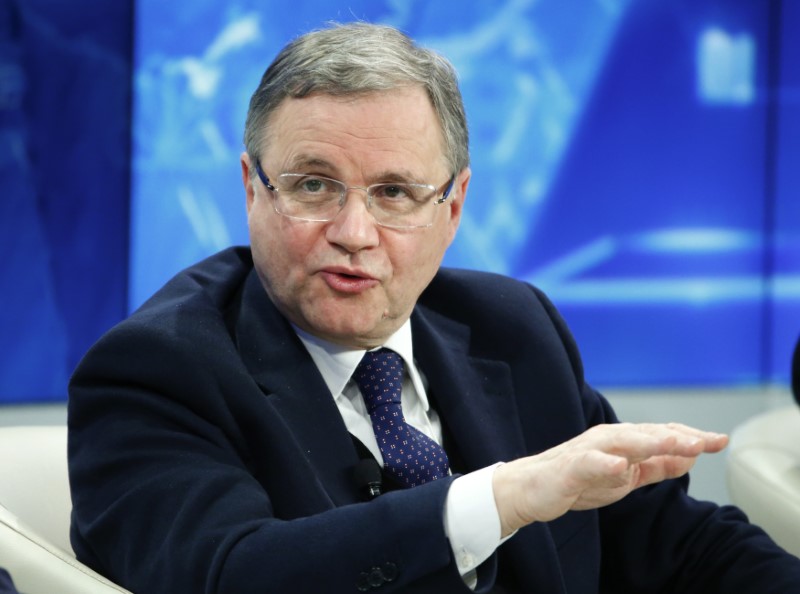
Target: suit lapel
column 280, row 364
column 474, row 395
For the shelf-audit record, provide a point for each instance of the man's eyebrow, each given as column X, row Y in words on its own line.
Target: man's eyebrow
column 397, row 175
column 307, row 162
column 303, row 163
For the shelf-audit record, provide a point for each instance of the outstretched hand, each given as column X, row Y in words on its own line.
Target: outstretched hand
column 596, row 468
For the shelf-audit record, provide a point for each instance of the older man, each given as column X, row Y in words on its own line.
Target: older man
column 221, row 438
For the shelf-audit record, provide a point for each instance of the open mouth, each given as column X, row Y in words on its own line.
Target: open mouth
column 346, row 282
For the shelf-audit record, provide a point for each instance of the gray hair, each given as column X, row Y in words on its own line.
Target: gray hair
column 354, row 59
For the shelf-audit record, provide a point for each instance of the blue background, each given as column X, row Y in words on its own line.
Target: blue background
column 637, row 159
column 65, row 94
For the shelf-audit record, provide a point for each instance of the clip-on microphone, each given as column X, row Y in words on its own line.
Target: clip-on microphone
column 368, row 477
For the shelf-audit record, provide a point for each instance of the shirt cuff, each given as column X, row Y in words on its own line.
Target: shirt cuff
column 471, row 521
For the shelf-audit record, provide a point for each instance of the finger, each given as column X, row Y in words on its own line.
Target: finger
column 712, row 442
column 709, row 441
column 660, row 468
column 594, row 467
column 637, row 442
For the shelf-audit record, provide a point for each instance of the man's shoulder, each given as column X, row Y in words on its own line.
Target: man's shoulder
column 502, row 314
column 197, row 302
column 188, row 322
column 477, row 298
column 209, row 283
column 480, row 288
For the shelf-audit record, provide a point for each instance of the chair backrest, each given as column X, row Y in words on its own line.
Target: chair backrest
column 35, row 485
column 35, row 511
column 763, row 473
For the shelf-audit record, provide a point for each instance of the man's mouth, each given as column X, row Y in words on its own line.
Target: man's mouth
column 348, row 281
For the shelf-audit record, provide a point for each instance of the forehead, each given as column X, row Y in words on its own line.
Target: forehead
column 396, row 130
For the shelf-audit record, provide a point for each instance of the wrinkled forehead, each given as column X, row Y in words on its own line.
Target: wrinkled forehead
column 276, row 118
column 399, row 121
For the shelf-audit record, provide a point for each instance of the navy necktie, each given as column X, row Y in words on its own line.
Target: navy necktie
column 408, row 454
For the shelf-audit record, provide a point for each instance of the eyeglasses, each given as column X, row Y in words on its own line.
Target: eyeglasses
column 398, row 205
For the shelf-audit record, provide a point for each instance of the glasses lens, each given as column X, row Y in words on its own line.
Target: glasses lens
column 309, row 197
column 402, row 205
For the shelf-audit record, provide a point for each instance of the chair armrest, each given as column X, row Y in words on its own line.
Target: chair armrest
column 763, row 473
column 39, row 567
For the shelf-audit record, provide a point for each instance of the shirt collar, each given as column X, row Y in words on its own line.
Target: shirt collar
column 337, row 363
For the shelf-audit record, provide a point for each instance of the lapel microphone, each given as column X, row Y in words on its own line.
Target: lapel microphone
column 368, row 477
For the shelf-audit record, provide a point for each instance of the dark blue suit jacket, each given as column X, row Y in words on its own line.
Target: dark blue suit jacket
column 207, row 455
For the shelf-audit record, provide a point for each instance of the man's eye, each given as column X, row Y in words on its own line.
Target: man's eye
column 312, row 186
column 394, row 192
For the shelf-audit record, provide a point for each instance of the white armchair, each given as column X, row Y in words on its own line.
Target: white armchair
column 35, row 511
column 763, row 473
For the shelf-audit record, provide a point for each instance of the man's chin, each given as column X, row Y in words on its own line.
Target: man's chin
column 356, row 331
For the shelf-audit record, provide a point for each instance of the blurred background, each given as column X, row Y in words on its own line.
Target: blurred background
column 637, row 159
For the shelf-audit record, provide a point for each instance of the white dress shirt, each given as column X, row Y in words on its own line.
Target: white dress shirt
column 472, row 523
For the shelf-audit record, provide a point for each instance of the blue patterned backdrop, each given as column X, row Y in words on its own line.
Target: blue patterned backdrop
column 637, row 159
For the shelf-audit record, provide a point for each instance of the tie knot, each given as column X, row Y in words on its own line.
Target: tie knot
column 379, row 376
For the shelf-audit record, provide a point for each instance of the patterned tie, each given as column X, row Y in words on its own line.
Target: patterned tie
column 408, row 454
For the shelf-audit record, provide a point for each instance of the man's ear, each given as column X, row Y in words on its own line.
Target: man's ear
column 247, row 180
column 456, row 200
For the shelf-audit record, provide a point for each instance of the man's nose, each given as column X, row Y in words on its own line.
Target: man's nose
column 354, row 228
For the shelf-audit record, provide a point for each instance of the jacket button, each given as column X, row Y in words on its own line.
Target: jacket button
column 376, row 577
column 363, row 583
column 389, row 571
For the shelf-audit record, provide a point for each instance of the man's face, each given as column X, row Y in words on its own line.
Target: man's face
column 349, row 280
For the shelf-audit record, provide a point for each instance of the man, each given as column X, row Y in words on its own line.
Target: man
column 218, row 436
